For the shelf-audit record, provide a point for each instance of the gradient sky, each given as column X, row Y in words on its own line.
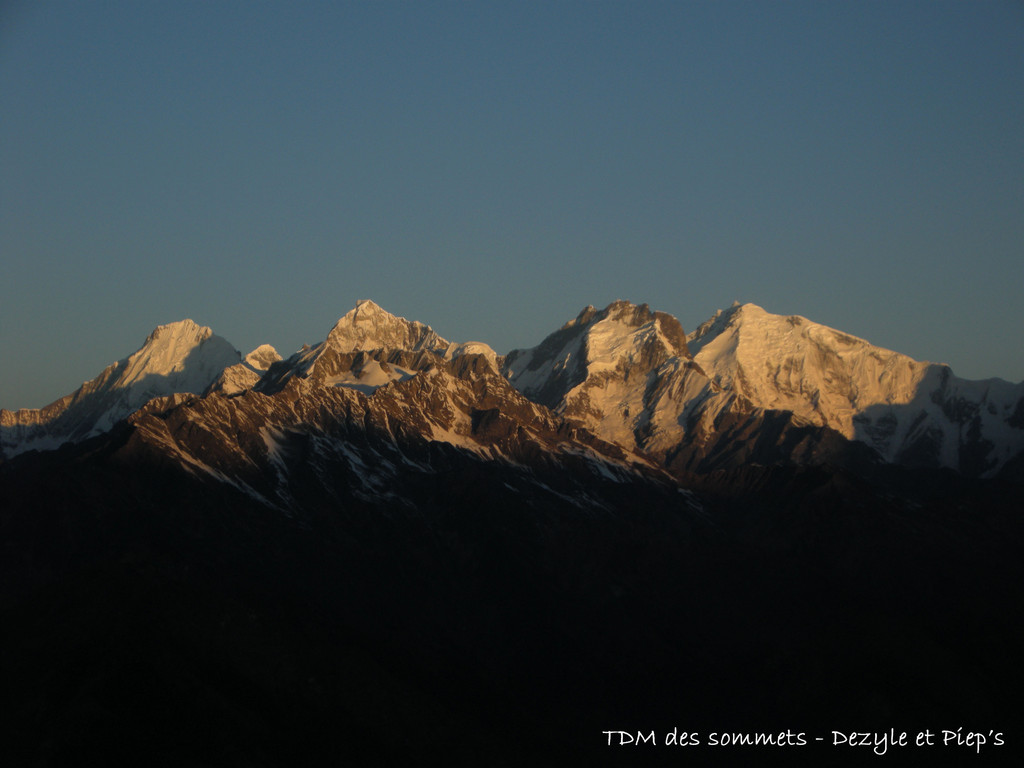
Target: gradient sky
column 492, row 168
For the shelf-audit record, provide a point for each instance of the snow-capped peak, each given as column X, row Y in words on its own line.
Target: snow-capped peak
column 180, row 329
column 787, row 362
column 367, row 327
column 184, row 351
column 600, row 367
column 622, row 336
column 262, row 357
column 180, row 357
column 473, row 348
column 243, row 376
column 909, row 411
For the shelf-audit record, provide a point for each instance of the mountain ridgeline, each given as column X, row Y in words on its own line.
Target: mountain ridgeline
column 388, row 547
column 747, row 387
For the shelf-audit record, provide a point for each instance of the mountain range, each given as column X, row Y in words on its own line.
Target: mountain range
column 746, row 386
column 388, row 547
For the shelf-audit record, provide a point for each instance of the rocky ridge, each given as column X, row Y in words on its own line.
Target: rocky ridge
column 746, row 387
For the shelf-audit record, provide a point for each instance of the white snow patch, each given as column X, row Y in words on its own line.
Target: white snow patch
column 370, row 377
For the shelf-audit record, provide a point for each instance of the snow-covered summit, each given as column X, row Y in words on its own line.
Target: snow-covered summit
column 599, row 367
column 243, row 376
column 180, row 357
column 622, row 336
column 262, row 357
column 367, row 326
column 786, row 362
column 473, row 348
column 177, row 357
column 632, row 377
column 909, row 411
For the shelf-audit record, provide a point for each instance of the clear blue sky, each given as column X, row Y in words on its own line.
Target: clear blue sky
column 491, row 168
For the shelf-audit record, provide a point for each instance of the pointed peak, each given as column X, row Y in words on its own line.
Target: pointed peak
column 743, row 308
column 737, row 312
column 585, row 316
column 633, row 316
column 368, row 306
column 367, row 311
column 368, row 326
column 181, row 330
column 172, row 346
column 621, row 310
column 629, row 313
column 262, row 357
column 722, row 319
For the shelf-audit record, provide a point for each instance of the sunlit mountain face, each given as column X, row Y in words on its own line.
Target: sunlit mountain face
column 388, row 546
